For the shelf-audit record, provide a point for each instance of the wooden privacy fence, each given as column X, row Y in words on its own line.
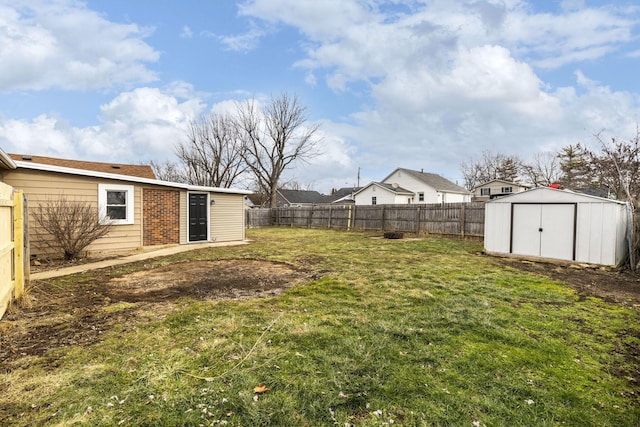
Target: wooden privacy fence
column 13, row 262
column 455, row 219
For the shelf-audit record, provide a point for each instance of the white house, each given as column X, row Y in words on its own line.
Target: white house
column 497, row 188
column 557, row 224
column 378, row 193
column 406, row 186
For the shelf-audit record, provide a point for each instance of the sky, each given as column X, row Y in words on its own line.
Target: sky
column 419, row 84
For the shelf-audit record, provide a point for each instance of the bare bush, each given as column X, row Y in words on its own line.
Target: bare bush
column 70, row 225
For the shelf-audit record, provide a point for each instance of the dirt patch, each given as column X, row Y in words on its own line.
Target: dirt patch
column 620, row 287
column 78, row 315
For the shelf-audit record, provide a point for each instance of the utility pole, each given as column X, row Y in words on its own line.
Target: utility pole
column 358, row 176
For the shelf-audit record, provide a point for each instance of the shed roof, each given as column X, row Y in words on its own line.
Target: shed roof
column 121, row 177
column 504, row 181
column 551, row 195
column 142, row 171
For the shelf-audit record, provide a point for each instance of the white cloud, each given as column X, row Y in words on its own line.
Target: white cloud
column 62, row 44
column 244, row 42
column 135, row 126
column 186, row 32
column 449, row 79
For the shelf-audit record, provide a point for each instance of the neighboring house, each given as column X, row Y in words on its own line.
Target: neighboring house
column 406, row 186
column 342, row 196
column 298, row 198
column 497, row 188
column 145, row 211
column 379, row 193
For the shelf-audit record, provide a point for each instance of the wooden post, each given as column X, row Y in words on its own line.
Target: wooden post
column 382, row 219
column 418, row 219
column 462, row 219
column 26, row 241
column 329, row 223
column 349, row 219
column 18, row 242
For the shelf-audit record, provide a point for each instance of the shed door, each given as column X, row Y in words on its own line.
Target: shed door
column 543, row 230
column 198, row 222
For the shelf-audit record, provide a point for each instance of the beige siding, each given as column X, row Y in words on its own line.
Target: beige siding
column 184, row 219
column 227, row 217
column 40, row 186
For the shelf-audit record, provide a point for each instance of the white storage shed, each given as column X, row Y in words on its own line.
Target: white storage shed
column 557, row 224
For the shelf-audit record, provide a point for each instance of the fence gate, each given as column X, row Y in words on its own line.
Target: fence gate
column 12, row 260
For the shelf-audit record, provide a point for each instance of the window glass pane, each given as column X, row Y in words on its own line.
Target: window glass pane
column 116, row 197
column 117, row 212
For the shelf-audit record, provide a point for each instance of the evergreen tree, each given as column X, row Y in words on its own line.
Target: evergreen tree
column 575, row 164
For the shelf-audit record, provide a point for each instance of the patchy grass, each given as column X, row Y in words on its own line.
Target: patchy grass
column 409, row 332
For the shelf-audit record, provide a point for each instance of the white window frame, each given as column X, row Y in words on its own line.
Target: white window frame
column 102, row 202
column 485, row 191
column 506, row 190
column 421, row 196
column 374, row 200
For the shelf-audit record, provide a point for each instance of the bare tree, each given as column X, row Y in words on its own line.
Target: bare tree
column 168, row 171
column 491, row 166
column 274, row 137
column 543, row 170
column 212, row 154
column 618, row 168
column 69, row 225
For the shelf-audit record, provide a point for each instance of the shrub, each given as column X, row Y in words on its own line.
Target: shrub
column 71, row 225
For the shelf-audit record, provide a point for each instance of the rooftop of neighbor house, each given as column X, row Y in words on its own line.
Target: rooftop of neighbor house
column 140, row 171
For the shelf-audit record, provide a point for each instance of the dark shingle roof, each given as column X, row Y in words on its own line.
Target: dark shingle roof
column 141, row 171
column 436, row 181
column 340, row 193
column 301, row 196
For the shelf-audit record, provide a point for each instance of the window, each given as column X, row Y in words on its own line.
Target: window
column 374, row 200
column 485, row 191
column 116, row 203
column 507, row 189
column 421, row 197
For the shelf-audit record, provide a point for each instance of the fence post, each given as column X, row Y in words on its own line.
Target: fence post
column 382, row 219
column 18, row 242
column 25, row 240
column 463, row 224
column 349, row 219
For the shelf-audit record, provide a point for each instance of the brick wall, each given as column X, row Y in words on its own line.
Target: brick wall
column 161, row 216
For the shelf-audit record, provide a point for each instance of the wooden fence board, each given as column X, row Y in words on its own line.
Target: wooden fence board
column 12, row 246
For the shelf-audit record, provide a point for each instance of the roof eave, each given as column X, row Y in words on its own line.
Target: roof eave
column 129, row 178
column 7, row 161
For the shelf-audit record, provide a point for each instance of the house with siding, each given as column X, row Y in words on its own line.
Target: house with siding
column 406, row 186
column 144, row 211
column 297, row 198
column 497, row 188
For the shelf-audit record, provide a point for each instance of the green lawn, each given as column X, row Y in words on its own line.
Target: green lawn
column 402, row 332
